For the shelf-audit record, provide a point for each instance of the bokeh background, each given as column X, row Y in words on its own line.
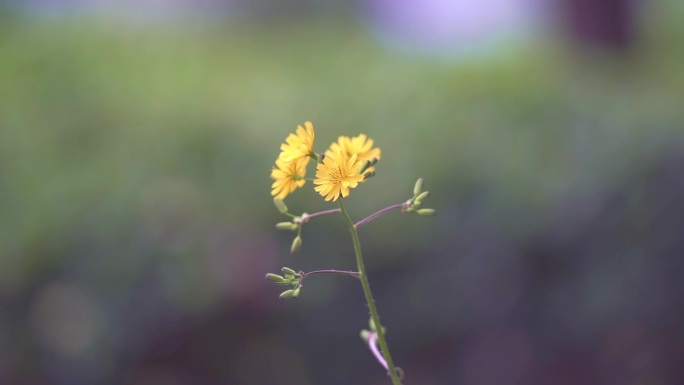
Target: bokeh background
column 136, row 225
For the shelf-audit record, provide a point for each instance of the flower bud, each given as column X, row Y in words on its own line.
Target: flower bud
column 418, row 187
column 296, row 244
column 287, row 270
column 426, row 212
column 422, row 196
column 364, row 166
column 275, row 278
column 295, row 294
column 368, row 174
column 280, row 205
column 287, row 294
column 286, row 226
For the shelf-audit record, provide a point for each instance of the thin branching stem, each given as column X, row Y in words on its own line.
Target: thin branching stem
column 339, row 272
column 380, row 213
column 307, row 217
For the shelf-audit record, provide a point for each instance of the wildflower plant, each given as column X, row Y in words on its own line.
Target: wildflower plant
column 346, row 164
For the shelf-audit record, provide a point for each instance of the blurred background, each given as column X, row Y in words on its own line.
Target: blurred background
column 136, row 224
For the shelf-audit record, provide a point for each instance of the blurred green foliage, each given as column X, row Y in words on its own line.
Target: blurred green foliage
column 96, row 116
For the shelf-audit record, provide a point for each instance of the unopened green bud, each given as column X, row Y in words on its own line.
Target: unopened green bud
column 368, row 174
column 287, row 270
column 418, row 187
column 364, row 166
column 287, row 294
column 275, row 278
column 280, row 205
column 373, row 161
column 426, row 212
column 296, row 244
column 295, row 294
column 286, row 226
column 422, row 196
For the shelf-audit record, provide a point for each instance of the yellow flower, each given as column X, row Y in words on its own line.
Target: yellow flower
column 360, row 146
column 337, row 174
column 288, row 175
column 299, row 144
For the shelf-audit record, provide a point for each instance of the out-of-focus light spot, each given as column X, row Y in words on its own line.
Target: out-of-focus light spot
column 461, row 26
column 497, row 356
column 66, row 319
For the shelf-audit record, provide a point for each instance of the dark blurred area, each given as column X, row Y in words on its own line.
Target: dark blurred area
column 136, row 225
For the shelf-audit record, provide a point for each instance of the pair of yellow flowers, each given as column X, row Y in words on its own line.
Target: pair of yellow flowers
column 335, row 175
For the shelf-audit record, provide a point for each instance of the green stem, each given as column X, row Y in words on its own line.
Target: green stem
column 369, row 296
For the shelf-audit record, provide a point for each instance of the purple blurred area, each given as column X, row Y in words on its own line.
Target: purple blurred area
column 136, row 226
column 456, row 26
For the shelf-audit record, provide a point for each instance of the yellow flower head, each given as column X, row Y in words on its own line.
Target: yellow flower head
column 299, row 144
column 336, row 174
column 288, row 175
column 360, row 146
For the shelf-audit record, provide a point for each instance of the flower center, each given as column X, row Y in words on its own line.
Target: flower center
column 339, row 174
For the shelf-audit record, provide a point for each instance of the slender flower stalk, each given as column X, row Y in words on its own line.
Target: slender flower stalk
column 369, row 296
column 339, row 272
column 307, row 217
column 380, row 213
